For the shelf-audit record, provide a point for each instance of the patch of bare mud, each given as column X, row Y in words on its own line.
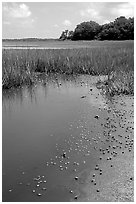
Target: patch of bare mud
column 96, row 99
column 112, row 179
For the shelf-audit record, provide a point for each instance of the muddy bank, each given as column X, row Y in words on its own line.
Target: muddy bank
column 113, row 176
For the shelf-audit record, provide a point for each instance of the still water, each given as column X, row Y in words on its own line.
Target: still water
column 48, row 139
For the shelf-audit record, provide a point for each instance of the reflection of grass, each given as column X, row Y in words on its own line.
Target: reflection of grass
column 21, row 66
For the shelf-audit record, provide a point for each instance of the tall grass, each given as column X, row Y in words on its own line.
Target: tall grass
column 119, row 82
column 21, row 66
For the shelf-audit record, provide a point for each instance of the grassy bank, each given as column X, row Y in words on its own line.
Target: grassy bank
column 21, row 66
column 119, row 82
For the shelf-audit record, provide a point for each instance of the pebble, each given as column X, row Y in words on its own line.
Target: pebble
column 20, row 183
column 39, row 194
column 96, row 168
column 76, row 178
column 97, row 116
column 64, row 154
column 44, row 188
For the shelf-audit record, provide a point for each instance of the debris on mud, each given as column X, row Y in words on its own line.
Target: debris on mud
column 113, row 180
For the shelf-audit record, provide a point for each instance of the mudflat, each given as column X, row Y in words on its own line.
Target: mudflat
column 112, row 179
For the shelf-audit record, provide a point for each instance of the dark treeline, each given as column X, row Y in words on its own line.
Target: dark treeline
column 121, row 29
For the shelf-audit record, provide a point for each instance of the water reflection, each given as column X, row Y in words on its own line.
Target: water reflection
column 9, row 96
column 31, row 92
column 48, row 138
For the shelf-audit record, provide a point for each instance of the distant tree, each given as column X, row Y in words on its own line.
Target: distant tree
column 64, row 35
column 125, row 26
column 130, row 26
column 70, row 35
column 121, row 24
column 86, row 31
column 109, row 32
column 121, row 29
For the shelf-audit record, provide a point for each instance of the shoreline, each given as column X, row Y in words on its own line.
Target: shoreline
column 115, row 181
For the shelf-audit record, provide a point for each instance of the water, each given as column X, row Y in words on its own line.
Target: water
column 48, row 139
column 32, row 48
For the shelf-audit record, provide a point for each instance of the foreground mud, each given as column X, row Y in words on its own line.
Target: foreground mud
column 112, row 179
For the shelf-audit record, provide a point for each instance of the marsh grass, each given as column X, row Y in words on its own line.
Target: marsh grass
column 121, row 83
column 22, row 66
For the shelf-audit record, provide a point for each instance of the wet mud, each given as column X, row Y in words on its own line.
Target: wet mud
column 112, row 179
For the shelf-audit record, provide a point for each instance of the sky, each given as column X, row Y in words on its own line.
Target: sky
column 49, row 19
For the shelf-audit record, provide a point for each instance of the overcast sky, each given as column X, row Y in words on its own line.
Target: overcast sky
column 47, row 20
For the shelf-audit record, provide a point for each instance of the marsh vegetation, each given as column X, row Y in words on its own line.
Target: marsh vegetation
column 113, row 59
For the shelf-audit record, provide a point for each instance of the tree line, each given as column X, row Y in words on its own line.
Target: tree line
column 121, row 29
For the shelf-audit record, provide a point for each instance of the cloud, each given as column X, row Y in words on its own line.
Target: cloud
column 106, row 21
column 27, row 23
column 89, row 12
column 125, row 9
column 67, row 23
column 15, row 10
column 17, row 15
column 56, row 26
column 102, row 12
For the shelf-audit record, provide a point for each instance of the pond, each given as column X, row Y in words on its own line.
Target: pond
column 49, row 137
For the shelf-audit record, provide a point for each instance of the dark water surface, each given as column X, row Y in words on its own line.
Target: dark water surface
column 49, row 133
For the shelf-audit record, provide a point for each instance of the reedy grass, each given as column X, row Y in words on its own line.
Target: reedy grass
column 121, row 83
column 21, row 66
